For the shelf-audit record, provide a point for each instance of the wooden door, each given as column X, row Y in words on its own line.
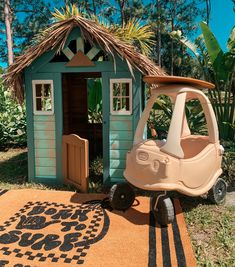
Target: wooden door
column 75, row 157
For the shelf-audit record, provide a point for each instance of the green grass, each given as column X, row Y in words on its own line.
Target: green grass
column 14, row 170
column 211, row 227
column 212, row 231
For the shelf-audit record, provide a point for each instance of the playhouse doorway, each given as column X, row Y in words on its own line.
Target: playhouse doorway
column 82, row 109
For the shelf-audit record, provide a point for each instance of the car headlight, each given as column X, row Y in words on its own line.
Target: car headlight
column 143, row 156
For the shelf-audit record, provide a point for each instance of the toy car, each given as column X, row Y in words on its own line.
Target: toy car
column 187, row 163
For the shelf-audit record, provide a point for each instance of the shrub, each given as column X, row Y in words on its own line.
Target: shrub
column 228, row 163
column 161, row 115
column 96, row 170
column 12, row 121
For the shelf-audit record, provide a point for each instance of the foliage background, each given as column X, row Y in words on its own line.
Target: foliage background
column 12, row 121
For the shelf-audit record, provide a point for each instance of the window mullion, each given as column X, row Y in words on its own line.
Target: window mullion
column 44, row 101
column 121, row 102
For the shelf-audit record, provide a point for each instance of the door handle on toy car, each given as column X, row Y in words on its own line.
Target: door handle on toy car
column 166, row 163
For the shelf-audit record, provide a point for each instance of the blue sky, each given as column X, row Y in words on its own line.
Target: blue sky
column 222, row 19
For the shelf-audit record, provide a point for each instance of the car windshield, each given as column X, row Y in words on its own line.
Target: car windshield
column 159, row 118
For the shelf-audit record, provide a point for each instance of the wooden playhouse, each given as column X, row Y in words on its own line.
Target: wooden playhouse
column 58, row 75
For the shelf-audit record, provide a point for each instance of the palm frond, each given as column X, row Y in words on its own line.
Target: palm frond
column 136, row 34
column 68, row 12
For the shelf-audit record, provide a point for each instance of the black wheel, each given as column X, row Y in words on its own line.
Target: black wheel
column 121, row 196
column 218, row 191
column 164, row 212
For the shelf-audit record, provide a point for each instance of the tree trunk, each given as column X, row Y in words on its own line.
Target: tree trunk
column 159, row 31
column 173, row 11
column 208, row 10
column 122, row 8
column 8, row 20
column 94, row 7
column 172, row 50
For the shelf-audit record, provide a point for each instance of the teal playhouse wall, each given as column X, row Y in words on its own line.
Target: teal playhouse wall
column 45, row 131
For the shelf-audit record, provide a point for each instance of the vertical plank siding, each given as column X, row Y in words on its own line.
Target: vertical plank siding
column 121, row 136
column 45, row 146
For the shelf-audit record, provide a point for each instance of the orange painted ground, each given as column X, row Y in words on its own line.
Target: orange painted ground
column 53, row 228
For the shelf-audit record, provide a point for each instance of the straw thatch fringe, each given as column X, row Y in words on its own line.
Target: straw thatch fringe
column 55, row 38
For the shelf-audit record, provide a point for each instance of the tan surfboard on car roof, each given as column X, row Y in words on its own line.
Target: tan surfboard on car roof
column 163, row 80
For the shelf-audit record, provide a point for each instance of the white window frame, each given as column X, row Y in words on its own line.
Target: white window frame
column 43, row 112
column 120, row 112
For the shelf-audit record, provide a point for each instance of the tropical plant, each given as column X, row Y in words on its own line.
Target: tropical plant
column 161, row 114
column 135, row 33
column 96, row 169
column 96, row 175
column 132, row 32
column 228, row 163
column 68, row 12
column 218, row 67
column 195, row 117
column 95, row 101
column 12, row 121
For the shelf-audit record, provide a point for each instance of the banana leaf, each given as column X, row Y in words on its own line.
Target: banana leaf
column 94, row 94
column 231, row 41
column 215, row 52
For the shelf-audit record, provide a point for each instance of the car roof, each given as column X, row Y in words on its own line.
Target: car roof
column 164, row 80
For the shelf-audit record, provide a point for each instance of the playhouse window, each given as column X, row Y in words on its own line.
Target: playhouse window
column 43, row 97
column 121, row 96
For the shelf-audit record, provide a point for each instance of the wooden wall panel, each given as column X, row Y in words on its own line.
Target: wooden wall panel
column 44, row 135
column 117, row 163
column 40, row 143
column 116, row 173
column 43, row 118
column 121, row 125
column 120, row 144
column 121, row 135
column 45, row 147
column 45, row 171
column 121, row 138
column 44, row 153
column 118, row 154
column 116, row 118
column 44, row 126
column 45, row 162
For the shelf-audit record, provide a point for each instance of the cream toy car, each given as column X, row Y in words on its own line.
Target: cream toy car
column 187, row 163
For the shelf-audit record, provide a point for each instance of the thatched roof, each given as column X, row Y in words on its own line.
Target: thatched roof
column 55, row 38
